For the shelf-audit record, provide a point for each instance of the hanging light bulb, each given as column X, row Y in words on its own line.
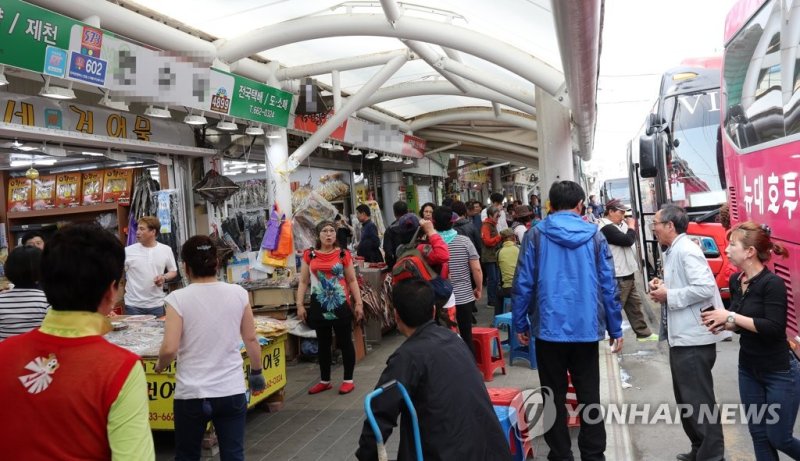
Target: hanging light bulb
column 371, row 155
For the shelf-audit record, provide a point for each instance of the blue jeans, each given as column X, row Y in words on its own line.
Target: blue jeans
column 492, row 284
column 157, row 311
column 192, row 417
column 765, row 388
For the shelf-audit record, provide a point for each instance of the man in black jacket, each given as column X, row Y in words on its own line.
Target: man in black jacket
column 464, row 225
column 369, row 247
column 621, row 235
column 396, row 235
column 456, row 418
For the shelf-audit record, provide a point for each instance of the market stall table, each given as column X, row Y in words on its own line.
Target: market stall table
column 144, row 338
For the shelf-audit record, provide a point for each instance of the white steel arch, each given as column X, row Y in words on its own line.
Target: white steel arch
column 461, row 115
column 447, row 35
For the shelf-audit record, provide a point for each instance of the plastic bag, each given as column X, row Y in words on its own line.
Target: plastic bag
column 270, row 259
column 314, row 210
column 285, row 241
column 270, row 240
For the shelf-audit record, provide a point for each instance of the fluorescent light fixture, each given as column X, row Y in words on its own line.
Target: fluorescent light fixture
column 408, row 161
column 56, row 92
column 338, row 147
column 326, row 145
column 92, row 154
column 254, row 130
column 192, row 119
column 116, row 105
column 3, row 80
column 236, row 167
column 251, row 171
column 371, row 155
column 43, row 162
column 232, row 173
column 157, row 112
column 354, row 152
column 224, row 125
column 27, row 148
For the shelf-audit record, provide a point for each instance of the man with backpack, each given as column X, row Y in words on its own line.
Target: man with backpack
column 396, row 235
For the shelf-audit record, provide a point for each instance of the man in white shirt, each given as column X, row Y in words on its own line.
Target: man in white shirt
column 148, row 265
column 497, row 201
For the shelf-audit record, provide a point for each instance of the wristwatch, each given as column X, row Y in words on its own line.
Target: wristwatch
column 731, row 319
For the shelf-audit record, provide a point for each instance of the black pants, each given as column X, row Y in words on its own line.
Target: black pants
column 581, row 360
column 344, row 341
column 464, row 320
column 694, row 385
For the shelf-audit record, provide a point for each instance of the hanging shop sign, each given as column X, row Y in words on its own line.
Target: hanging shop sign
column 241, row 97
column 311, row 125
column 36, row 111
column 469, row 174
column 45, row 42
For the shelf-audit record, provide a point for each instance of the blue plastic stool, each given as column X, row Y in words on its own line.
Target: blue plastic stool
column 499, row 321
column 518, row 351
column 509, row 432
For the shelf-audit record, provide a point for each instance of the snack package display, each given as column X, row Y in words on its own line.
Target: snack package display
column 117, row 186
column 299, row 195
column 68, row 190
column 332, row 187
column 44, row 192
column 92, row 186
column 304, row 222
column 20, row 194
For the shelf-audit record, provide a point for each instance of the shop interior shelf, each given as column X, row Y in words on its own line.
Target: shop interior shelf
column 64, row 211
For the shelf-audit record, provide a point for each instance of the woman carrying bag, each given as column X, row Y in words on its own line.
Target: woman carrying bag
column 330, row 271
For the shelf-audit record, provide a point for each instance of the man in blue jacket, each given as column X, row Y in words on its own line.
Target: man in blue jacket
column 564, row 295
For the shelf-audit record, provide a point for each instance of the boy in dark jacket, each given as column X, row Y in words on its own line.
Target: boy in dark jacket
column 456, row 418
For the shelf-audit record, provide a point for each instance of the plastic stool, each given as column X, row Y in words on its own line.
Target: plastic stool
column 483, row 340
column 510, row 432
column 504, row 320
column 518, row 351
column 502, row 396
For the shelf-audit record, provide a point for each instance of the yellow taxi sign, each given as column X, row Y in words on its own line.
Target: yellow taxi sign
column 683, row 76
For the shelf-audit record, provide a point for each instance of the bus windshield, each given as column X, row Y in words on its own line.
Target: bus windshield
column 694, row 173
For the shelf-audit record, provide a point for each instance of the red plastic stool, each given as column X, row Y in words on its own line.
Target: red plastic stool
column 482, row 340
column 502, row 396
column 572, row 403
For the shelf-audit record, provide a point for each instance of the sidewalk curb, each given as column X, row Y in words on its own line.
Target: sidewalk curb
column 619, row 445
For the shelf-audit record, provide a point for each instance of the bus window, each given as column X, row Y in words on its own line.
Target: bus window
column 791, row 109
column 755, row 102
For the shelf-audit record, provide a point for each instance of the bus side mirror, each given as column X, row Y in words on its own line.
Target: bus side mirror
column 651, row 148
column 653, row 124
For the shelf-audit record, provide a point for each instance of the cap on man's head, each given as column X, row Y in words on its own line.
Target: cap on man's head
column 408, row 222
column 617, row 204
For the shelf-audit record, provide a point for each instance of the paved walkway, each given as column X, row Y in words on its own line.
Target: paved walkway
column 327, row 425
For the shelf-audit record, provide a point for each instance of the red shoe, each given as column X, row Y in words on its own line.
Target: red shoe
column 346, row 388
column 320, row 387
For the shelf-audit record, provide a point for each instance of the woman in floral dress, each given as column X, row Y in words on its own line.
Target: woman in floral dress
column 335, row 299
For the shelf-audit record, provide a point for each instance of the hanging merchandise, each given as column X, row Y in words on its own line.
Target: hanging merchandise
column 143, row 201
column 268, row 258
column 163, row 214
column 270, row 241
column 215, row 188
column 285, row 241
column 313, row 210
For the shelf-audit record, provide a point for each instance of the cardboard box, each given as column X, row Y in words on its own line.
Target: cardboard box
column 68, row 190
column 20, row 194
column 117, row 186
column 44, row 192
column 92, row 187
column 272, row 297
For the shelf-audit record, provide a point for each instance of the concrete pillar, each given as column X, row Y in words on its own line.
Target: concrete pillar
column 390, row 190
column 555, row 143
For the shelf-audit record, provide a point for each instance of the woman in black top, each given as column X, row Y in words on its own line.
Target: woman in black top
column 769, row 373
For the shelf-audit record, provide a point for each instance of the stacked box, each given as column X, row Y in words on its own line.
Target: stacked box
column 92, row 187
column 117, row 186
column 68, row 190
column 44, row 192
column 20, row 194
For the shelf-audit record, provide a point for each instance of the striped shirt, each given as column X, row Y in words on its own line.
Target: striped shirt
column 462, row 251
column 21, row 310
